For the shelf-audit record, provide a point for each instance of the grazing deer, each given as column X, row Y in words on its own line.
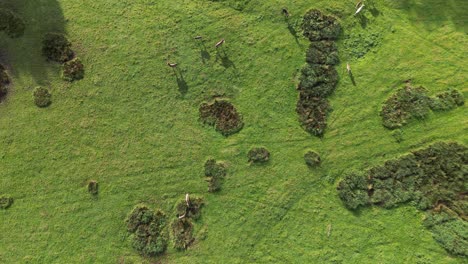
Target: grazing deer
column 187, row 200
column 221, row 42
column 172, row 65
column 348, row 68
column 359, row 9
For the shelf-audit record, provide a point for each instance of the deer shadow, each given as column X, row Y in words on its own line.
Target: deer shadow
column 181, row 83
column 204, row 54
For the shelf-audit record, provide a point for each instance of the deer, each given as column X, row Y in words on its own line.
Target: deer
column 348, row 68
column 221, row 42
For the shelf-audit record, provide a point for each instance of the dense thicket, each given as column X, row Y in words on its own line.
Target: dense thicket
column 433, row 179
column 317, row 26
column 147, row 230
column 414, row 103
column 56, row 47
column 222, row 115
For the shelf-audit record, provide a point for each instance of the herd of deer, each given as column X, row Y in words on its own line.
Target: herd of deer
column 285, row 12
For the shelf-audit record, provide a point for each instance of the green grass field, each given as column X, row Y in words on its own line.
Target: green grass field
column 130, row 125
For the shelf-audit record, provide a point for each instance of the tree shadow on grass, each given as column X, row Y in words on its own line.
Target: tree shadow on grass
column 23, row 55
column 435, row 13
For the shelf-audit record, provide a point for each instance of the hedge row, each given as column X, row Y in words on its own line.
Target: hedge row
column 318, row 78
column 434, row 179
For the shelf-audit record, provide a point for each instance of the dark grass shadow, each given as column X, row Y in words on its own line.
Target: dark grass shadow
column 435, row 13
column 23, row 55
column 181, row 83
column 204, row 54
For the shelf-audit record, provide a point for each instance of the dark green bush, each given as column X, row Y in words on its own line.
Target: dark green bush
column 147, row 228
column 318, row 80
column 73, row 70
column 353, row 190
column 407, row 103
column 182, row 233
column 312, row 159
column 11, row 23
column 192, row 211
column 56, row 47
column 313, row 112
column 42, row 97
column 222, row 115
column 447, row 100
column 317, row 26
column 322, row 52
column 215, row 173
column 93, row 187
column 258, row 155
column 5, row 201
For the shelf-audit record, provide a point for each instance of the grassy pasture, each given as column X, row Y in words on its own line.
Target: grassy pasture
column 133, row 126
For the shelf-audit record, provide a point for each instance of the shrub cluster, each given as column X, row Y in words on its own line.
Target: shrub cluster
column 11, row 23
column 56, row 47
column 222, row 115
column 312, row 159
column 215, row 173
column 147, row 231
column 317, row 26
column 414, row 103
column 182, row 227
column 5, row 201
column 93, row 187
column 42, row 97
column 73, row 70
column 4, row 81
column 318, row 78
column 258, row 155
column 430, row 178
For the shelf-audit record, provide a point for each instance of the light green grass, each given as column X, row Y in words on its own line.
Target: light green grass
column 127, row 126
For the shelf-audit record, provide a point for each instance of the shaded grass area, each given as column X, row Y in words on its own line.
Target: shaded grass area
column 127, row 126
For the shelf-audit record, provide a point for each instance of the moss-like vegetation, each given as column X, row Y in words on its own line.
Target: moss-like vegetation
column 56, row 47
column 322, row 52
column 42, row 97
column 414, row 103
column 73, row 70
column 11, row 23
column 222, row 115
column 147, row 231
column 258, row 155
column 431, row 178
column 312, row 159
column 5, row 201
column 317, row 26
column 93, row 187
column 215, row 173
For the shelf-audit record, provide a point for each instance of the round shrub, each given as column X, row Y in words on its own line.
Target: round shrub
column 222, row 115
column 5, row 201
column 73, row 70
column 258, row 155
column 447, row 100
column 93, row 187
column 42, row 97
column 317, row 26
column 215, row 173
column 312, row 159
column 318, row 80
column 322, row 52
column 56, row 47
column 11, row 23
